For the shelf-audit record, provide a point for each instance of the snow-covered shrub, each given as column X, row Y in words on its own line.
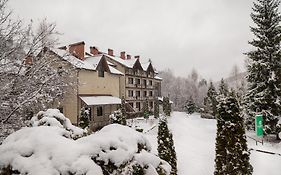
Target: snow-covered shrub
column 118, row 117
column 84, row 120
column 53, row 117
column 44, row 150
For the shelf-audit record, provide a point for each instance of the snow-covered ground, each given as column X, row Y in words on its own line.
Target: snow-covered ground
column 194, row 139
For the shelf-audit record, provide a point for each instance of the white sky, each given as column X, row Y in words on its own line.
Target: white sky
column 208, row 35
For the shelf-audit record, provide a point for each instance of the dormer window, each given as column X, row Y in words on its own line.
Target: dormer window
column 100, row 73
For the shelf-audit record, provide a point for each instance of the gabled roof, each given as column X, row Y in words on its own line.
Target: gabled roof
column 90, row 63
column 127, row 63
column 148, row 66
column 137, row 65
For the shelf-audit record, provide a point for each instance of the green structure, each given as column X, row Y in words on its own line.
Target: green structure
column 259, row 125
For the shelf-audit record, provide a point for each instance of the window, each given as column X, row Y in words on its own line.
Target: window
column 150, row 93
column 130, row 93
column 137, row 72
column 101, row 73
column 144, row 93
column 144, row 82
column 151, row 104
column 138, row 105
column 132, row 104
column 99, row 111
column 137, row 81
column 150, row 82
column 138, row 93
column 130, row 80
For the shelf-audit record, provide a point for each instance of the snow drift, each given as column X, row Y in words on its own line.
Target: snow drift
column 45, row 150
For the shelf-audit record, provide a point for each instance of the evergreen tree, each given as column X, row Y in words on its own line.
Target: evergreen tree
column 156, row 107
column 166, row 148
column 145, row 109
column 190, row 106
column 84, row 117
column 210, row 101
column 264, row 68
column 223, row 87
column 119, row 116
column 232, row 155
column 123, row 111
column 166, row 106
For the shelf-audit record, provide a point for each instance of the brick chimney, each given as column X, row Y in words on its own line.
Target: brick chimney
column 78, row 49
column 129, row 57
column 123, row 55
column 137, row 57
column 94, row 50
column 28, row 60
column 110, row 52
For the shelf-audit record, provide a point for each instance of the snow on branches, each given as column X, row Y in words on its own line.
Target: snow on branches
column 47, row 148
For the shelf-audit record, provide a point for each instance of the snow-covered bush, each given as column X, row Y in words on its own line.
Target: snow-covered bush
column 45, row 150
column 118, row 117
column 53, row 117
column 84, row 120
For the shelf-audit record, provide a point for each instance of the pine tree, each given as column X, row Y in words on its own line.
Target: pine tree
column 84, row 117
column 166, row 106
column 223, row 87
column 166, row 148
column 145, row 109
column 210, row 101
column 232, row 155
column 264, row 66
column 156, row 107
column 190, row 106
column 123, row 117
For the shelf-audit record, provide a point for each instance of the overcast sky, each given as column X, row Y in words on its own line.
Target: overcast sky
column 207, row 35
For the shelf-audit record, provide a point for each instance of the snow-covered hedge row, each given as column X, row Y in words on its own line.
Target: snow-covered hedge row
column 48, row 150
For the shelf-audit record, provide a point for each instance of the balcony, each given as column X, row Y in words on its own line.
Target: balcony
column 138, row 98
column 131, row 98
column 138, row 85
column 130, row 85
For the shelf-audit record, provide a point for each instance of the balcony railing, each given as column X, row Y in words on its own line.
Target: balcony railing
column 130, row 85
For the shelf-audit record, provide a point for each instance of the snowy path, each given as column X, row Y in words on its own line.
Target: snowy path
column 194, row 142
column 194, row 139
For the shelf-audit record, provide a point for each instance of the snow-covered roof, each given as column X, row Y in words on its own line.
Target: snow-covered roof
column 158, row 78
column 90, row 63
column 65, row 55
column 145, row 65
column 128, row 63
column 100, row 100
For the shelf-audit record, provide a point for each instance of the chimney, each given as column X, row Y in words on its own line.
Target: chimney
column 28, row 60
column 110, row 52
column 123, row 55
column 77, row 49
column 128, row 57
column 137, row 57
column 94, row 50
